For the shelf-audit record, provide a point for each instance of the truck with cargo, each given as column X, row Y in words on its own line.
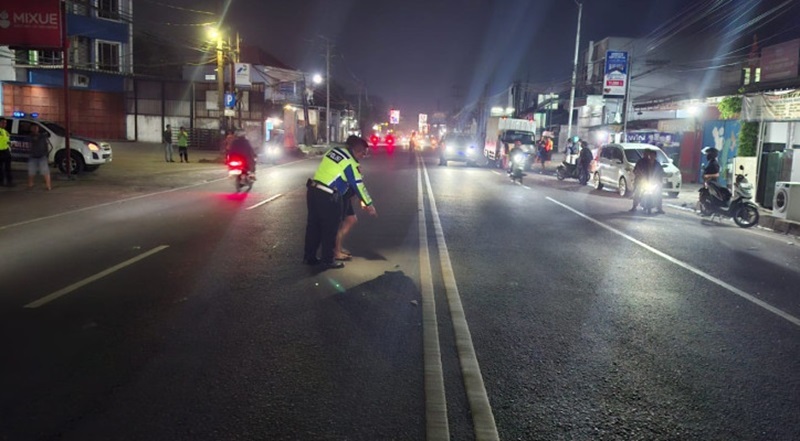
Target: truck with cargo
column 502, row 133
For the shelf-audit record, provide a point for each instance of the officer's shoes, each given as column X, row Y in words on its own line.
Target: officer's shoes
column 333, row 265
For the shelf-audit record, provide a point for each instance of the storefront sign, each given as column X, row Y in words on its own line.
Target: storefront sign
column 31, row 24
column 243, row 74
column 772, row 107
column 616, row 74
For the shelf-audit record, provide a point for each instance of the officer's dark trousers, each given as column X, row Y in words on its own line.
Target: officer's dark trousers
column 5, row 167
column 324, row 217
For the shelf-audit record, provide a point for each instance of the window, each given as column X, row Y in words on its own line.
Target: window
column 108, row 9
column 108, row 56
column 80, row 52
column 746, row 76
column 81, row 7
column 758, row 75
column 38, row 58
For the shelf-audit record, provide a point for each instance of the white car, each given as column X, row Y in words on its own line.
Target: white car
column 615, row 164
column 87, row 155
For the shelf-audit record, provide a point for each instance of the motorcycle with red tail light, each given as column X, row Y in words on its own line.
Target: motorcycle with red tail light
column 238, row 170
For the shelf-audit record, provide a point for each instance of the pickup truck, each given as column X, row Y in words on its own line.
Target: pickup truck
column 86, row 154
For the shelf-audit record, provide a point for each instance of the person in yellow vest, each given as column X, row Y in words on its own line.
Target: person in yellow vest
column 337, row 173
column 5, row 156
column 183, row 144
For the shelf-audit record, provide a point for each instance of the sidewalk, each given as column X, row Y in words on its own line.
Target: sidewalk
column 687, row 200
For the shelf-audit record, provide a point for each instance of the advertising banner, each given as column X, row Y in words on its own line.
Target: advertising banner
column 34, row 24
column 616, row 74
column 772, row 107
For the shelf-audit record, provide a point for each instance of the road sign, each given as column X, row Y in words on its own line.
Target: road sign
column 230, row 100
column 616, row 74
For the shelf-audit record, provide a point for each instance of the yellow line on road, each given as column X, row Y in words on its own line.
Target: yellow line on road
column 437, row 428
column 482, row 417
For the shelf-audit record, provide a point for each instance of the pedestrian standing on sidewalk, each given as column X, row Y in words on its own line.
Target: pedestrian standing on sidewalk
column 5, row 156
column 183, row 145
column 166, row 137
column 37, row 162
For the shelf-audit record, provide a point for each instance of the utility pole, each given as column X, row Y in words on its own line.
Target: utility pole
column 328, row 93
column 574, row 71
column 627, row 100
column 220, row 84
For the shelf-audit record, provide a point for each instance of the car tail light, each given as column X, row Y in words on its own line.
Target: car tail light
column 390, row 140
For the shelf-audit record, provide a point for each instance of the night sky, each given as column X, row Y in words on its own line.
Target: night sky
column 428, row 55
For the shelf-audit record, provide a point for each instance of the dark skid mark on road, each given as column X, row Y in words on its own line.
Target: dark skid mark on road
column 375, row 331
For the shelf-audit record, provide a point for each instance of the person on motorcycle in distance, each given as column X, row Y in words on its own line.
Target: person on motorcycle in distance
column 585, row 158
column 514, row 150
column 647, row 169
column 711, row 171
column 240, row 146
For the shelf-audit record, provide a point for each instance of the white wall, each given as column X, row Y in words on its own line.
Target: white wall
column 150, row 128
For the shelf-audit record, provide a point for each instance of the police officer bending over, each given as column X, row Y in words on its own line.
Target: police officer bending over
column 338, row 172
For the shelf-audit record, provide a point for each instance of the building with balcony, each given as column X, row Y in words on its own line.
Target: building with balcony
column 99, row 61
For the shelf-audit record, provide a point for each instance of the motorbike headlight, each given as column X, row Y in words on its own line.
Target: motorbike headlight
column 519, row 158
column 450, row 149
column 471, row 151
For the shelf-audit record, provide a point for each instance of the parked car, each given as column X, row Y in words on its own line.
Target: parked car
column 615, row 164
column 459, row 147
column 86, row 154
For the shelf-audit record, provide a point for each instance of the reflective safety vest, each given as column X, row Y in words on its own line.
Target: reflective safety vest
column 340, row 171
column 5, row 139
column 183, row 139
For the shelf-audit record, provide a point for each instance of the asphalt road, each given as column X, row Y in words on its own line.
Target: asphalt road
column 148, row 302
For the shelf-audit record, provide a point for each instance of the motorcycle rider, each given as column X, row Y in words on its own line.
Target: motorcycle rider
column 572, row 150
column 240, row 146
column 711, row 171
column 513, row 153
column 585, row 158
column 647, row 169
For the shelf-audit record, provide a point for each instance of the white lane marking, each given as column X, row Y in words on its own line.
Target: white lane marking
column 497, row 173
column 265, row 202
column 106, row 204
column 62, row 292
column 436, row 425
column 526, row 187
column 482, row 417
column 790, row 318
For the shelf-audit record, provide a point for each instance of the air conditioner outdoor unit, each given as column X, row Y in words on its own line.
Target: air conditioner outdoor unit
column 80, row 80
column 786, row 201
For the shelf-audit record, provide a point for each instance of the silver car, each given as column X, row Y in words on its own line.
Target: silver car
column 615, row 164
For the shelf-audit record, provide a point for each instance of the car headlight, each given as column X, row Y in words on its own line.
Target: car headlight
column 450, row 149
column 93, row 147
column 471, row 151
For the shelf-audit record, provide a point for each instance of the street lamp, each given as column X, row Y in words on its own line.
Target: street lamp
column 574, row 70
column 317, row 79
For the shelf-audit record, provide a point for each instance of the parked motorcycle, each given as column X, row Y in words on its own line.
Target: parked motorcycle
column 242, row 177
column 567, row 170
column 718, row 201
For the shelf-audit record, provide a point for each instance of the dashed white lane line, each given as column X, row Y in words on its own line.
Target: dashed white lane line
column 106, row 204
column 62, row 292
column 780, row 313
column 265, row 201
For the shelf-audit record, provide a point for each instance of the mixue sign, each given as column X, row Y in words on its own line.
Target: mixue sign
column 31, row 24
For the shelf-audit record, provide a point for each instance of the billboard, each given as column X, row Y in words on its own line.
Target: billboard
column 32, row 24
column 780, row 61
column 394, row 116
column 616, row 74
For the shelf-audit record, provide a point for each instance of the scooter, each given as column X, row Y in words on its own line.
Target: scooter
column 567, row 170
column 718, row 201
column 237, row 169
column 650, row 191
column 518, row 162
